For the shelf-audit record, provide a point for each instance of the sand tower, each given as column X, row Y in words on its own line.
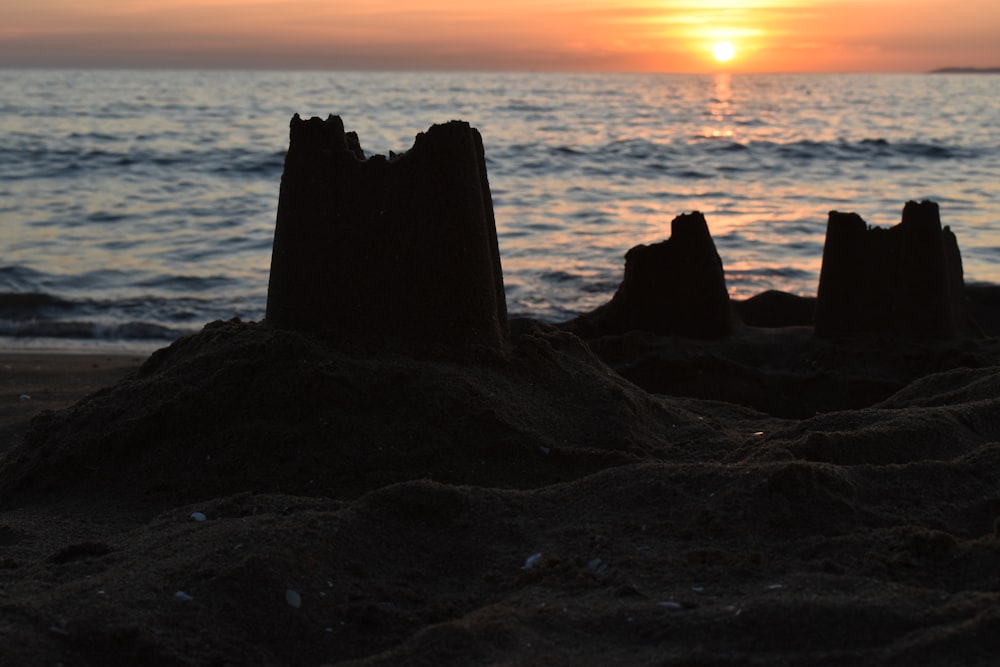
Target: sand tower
column 401, row 248
column 905, row 280
column 676, row 286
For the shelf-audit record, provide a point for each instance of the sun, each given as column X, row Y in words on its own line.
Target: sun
column 723, row 51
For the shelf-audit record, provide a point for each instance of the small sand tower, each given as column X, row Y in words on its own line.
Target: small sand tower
column 674, row 287
column 906, row 280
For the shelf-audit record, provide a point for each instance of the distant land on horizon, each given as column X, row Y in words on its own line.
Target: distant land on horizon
column 966, row 70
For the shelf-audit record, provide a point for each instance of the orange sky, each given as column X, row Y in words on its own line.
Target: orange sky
column 598, row 35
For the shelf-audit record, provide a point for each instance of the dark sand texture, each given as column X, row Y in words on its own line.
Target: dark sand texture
column 400, row 493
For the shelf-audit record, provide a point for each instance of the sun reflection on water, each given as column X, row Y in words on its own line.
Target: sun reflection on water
column 721, row 109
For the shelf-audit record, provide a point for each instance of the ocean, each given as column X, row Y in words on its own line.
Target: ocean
column 136, row 206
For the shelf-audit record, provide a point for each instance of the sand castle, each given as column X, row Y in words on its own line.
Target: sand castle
column 397, row 248
column 405, row 248
column 906, row 280
column 676, row 286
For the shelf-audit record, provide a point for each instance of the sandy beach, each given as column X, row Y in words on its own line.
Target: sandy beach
column 392, row 470
column 249, row 496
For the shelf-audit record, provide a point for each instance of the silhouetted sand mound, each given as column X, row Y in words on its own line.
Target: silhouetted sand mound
column 787, row 371
column 245, row 407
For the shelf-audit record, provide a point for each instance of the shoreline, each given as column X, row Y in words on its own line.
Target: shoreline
column 983, row 298
column 78, row 346
column 57, row 376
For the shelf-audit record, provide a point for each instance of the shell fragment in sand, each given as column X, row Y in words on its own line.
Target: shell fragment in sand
column 293, row 598
column 531, row 561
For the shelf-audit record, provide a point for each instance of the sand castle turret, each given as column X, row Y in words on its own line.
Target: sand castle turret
column 906, row 280
column 404, row 247
column 676, row 286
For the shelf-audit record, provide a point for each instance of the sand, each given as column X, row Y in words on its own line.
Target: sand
column 250, row 496
column 32, row 382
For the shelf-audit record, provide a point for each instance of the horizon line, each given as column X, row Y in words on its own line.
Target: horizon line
column 951, row 69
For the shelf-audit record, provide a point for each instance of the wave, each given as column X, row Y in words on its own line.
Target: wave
column 29, row 305
column 83, row 330
column 43, row 162
column 865, row 148
column 638, row 148
column 37, row 314
column 706, row 158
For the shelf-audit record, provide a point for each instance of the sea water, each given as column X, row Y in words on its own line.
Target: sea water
column 135, row 206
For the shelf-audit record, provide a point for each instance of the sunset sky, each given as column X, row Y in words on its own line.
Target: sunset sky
column 588, row 35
